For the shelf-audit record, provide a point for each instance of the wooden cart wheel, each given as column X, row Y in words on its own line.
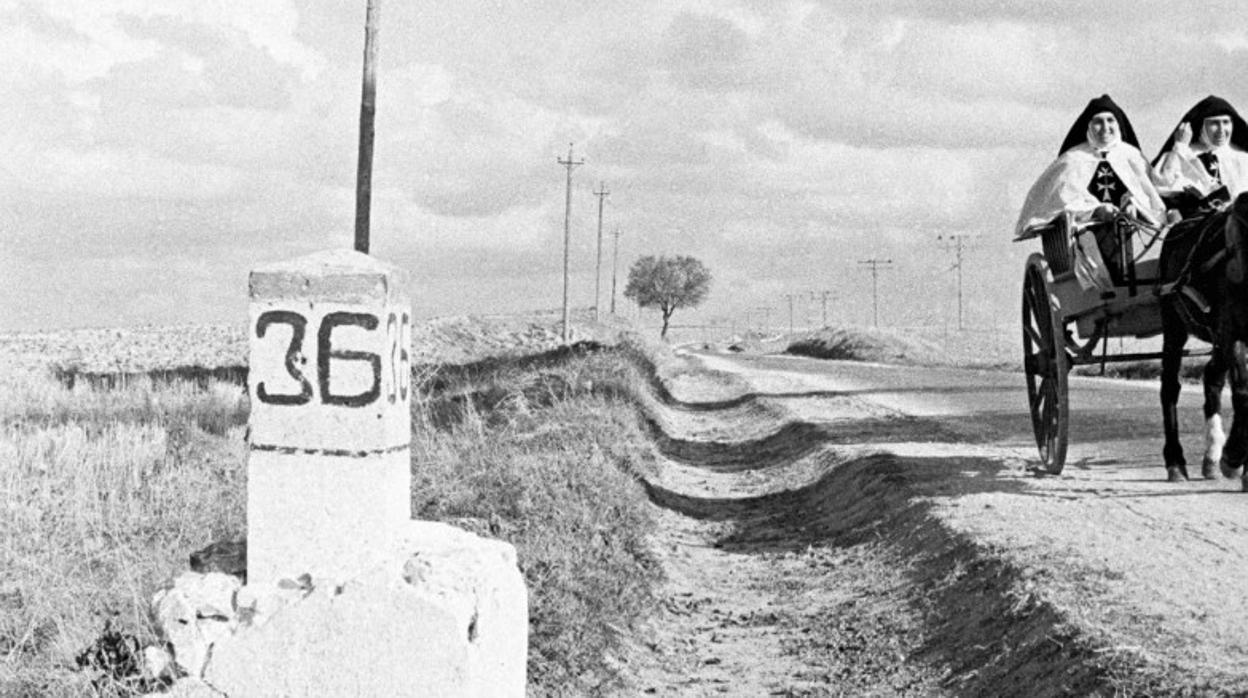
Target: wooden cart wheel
column 1046, row 363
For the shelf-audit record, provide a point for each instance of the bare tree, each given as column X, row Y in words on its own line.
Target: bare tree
column 668, row 283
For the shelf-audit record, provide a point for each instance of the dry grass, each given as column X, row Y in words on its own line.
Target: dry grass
column 106, row 492
column 104, row 495
column 543, row 458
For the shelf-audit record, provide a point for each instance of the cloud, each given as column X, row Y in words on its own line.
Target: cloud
column 780, row 141
column 704, row 52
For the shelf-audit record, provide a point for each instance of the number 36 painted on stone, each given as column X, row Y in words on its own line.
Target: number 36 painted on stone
column 398, row 341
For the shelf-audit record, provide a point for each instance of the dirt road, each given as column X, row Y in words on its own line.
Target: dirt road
column 855, row 529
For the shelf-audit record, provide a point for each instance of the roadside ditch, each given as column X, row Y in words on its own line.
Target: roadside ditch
column 805, row 559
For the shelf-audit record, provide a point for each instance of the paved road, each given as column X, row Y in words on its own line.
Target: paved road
column 1112, row 421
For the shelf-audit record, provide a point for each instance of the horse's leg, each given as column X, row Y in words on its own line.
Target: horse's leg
column 1173, row 339
column 1213, row 380
column 1236, row 450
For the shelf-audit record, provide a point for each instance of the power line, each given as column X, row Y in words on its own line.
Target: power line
column 567, row 236
column 875, row 265
column 602, row 194
column 956, row 242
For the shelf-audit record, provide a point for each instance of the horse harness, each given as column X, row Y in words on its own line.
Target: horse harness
column 1182, row 286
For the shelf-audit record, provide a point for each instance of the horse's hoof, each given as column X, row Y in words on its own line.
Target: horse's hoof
column 1229, row 471
column 1244, row 484
column 1176, row 473
column 1209, row 471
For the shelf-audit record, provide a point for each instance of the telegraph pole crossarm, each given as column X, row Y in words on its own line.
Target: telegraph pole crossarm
column 567, row 237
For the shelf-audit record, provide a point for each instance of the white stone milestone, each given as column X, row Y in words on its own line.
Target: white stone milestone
column 328, row 474
column 445, row 616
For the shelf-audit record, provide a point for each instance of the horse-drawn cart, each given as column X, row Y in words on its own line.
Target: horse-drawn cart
column 1070, row 307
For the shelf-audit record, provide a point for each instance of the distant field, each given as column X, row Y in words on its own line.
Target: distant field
column 456, row 339
column 994, row 348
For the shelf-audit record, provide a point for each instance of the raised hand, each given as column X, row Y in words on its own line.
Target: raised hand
column 1183, row 134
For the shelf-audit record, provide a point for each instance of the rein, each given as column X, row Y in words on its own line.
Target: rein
column 1157, row 233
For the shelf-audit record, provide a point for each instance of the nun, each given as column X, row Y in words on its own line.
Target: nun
column 1098, row 172
column 1206, row 153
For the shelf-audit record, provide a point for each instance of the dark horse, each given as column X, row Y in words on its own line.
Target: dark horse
column 1206, row 260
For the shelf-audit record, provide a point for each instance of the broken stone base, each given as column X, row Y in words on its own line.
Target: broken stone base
column 445, row 615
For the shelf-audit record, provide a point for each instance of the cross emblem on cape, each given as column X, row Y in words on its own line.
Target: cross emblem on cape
column 1106, row 186
column 1210, row 161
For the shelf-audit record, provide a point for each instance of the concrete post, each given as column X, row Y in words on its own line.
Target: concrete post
column 391, row 606
column 328, row 475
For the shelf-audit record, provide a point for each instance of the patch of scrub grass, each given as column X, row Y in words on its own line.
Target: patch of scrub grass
column 104, row 495
column 547, row 466
column 106, row 492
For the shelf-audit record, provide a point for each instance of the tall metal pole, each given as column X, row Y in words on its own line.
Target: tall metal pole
column 790, row 297
column 823, row 295
column 567, row 238
column 766, row 311
column 615, row 266
column 368, row 108
column 601, row 194
column 957, row 241
column 875, row 265
column 959, row 263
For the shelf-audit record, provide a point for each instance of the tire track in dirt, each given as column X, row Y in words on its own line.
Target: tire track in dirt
column 804, row 559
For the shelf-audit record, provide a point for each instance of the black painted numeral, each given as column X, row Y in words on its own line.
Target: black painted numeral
column 392, row 335
column 405, row 358
column 325, row 352
column 298, row 325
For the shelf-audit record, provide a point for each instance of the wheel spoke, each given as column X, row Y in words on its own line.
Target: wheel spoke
column 1052, row 405
column 1033, row 334
column 1043, row 331
column 1041, row 391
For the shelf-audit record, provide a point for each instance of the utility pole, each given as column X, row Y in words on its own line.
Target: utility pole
column 567, row 237
column 615, row 266
column 602, row 194
column 766, row 311
column 875, row 265
column 790, row 297
column 824, row 296
column 368, row 108
column 956, row 242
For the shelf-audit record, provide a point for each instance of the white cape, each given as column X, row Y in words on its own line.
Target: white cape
column 1180, row 167
column 1064, row 185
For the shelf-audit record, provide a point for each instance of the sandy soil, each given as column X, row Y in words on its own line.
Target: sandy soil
column 825, row 560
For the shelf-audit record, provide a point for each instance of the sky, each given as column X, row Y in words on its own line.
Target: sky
column 153, row 152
